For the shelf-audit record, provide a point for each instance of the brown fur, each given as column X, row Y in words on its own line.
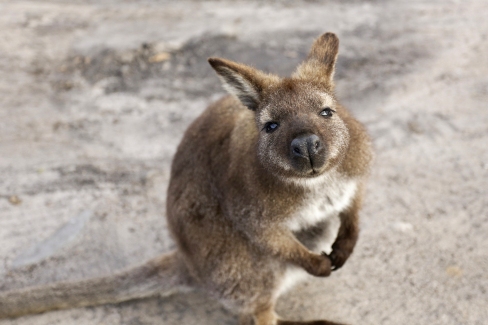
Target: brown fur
column 239, row 198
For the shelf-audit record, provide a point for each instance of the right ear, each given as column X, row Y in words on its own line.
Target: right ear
column 320, row 63
column 244, row 82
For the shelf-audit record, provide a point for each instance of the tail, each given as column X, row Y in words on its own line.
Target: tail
column 157, row 276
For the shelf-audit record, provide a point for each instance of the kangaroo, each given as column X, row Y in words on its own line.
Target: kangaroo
column 265, row 188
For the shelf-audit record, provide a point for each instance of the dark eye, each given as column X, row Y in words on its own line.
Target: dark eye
column 271, row 127
column 327, row 112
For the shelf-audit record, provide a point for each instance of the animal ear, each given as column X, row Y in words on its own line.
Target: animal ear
column 246, row 83
column 320, row 63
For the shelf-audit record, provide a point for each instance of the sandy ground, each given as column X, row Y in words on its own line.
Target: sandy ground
column 95, row 96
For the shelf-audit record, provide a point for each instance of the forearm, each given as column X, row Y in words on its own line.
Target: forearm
column 347, row 235
column 281, row 243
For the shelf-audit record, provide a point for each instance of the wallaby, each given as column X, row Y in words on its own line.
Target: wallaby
column 265, row 187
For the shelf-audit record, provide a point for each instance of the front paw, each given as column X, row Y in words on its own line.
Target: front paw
column 337, row 259
column 319, row 265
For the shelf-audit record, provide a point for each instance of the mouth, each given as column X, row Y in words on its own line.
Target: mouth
column 310, row 173
column 315, row 170
column 307, row 169
column 313, row 173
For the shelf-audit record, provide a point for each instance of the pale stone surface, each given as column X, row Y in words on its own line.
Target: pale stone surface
column 95, row 95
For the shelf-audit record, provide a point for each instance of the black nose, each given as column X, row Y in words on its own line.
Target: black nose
column 306, row 146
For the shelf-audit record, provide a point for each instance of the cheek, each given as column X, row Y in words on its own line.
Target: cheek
column 337, row 140
column 272, row 153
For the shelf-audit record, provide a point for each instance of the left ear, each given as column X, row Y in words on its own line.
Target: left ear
column 320, row 63
column 246, row 83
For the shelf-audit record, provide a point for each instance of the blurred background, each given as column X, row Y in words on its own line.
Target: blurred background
column 95, row 96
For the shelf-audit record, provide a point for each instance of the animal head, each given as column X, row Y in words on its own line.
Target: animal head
column 301, row 132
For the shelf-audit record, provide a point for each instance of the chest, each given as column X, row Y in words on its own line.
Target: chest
column 321, row 202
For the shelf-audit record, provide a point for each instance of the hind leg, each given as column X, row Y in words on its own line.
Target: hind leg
column 265, row 316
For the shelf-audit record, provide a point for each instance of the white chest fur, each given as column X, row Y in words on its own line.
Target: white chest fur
column 325, row 197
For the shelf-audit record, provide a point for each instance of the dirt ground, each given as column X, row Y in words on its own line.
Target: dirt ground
column 95, row 96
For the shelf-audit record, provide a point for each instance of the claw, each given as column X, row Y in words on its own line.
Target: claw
column 332, row 258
